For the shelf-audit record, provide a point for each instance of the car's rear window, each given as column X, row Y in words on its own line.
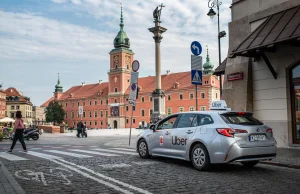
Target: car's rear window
column 240, row 119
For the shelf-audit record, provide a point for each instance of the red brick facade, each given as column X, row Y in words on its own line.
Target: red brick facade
column 2, row 104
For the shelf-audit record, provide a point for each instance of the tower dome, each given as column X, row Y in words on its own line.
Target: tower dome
column 121, row 40
column 208, row 66
column 58, row 86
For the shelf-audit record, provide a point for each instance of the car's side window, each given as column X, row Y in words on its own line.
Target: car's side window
column 185, row 120
column 167, row 124
column 205, row 120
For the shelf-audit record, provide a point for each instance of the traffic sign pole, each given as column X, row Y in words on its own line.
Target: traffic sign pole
column 130, row 124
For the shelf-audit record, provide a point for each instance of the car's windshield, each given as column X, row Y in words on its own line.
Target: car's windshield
column 240, row 119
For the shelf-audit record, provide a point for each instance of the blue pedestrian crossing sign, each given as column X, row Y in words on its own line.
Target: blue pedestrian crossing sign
column 196, row 77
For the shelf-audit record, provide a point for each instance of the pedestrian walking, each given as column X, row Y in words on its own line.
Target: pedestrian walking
column 18, row 129
column 79, row 128
column 145, row 125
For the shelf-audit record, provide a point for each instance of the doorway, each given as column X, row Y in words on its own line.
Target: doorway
column 295, row 97
column 115, row 124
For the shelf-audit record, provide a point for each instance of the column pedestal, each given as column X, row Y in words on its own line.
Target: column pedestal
column 158, row 104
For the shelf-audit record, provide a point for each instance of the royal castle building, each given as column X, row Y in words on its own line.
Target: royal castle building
column 106, row 103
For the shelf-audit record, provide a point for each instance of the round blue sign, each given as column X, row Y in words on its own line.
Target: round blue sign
column 133, row 87
column 196, row 48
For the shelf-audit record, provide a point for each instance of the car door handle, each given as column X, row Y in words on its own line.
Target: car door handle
column 189, row 132
column 167, row 133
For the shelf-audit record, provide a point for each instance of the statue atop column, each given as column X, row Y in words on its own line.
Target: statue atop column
column 157, row 13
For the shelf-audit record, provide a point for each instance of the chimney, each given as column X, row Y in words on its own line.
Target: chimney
column 100, row 81
column 168, row 72
column 83, row 84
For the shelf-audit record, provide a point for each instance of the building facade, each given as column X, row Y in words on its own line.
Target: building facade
column 264, row 59
column 2, row 103
column 106, row 103
column 17, row 102
column 38, row 115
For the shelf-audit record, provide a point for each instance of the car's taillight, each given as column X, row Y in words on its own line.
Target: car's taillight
column 269, row 130
column 240, row 131
column 226, row 132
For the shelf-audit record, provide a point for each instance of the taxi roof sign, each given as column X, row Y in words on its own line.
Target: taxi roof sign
column 219, row 105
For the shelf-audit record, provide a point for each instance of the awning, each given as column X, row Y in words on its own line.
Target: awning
column 279, row 28
column 220, row 70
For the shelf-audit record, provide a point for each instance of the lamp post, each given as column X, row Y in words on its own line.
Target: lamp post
column 216, row 4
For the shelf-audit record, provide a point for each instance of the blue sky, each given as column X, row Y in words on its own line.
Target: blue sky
column 40, row 38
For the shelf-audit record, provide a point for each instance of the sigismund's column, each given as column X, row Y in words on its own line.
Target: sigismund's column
column 158, row 95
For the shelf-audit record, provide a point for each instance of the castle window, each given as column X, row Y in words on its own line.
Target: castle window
column 191, row 95
column 181, row 109
column 180, row 96
column 78, row 103
column 133, row 120
column 169, row 111
column 95, row 123
column 169, row 97
column 150, row 99
column 143, row 113
column 127, row 121
column 143, row 99
column 66, row 104
column 151, row 111
column 90, row 103
column 101, row 102
column 95, row 102
column 127, row 108
column 116, row 89
column 116, row 100
column 191, row 108
column 202, row 95
column 96, row 113
column 116, row 67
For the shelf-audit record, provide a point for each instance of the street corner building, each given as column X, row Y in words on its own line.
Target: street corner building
column 18, row 102
column 106, row 103
column 2, row 102
column 262, row 70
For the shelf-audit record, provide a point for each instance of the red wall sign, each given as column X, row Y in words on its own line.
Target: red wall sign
column 235, row 76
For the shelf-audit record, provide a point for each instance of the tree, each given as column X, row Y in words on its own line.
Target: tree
column 55, row 113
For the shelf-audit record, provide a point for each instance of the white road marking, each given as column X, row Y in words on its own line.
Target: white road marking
column 105, row 177
column 93, row 152
column 69, row 154
column 76, row 146
column 144, row 163
column 115, row 165
column 11, row 157
column 115, row 151
column 125, row 149
column 93, row 146
column 41, row 155
column 56, row 147
column 89, row 176
column 65, row 145
column 35, row 148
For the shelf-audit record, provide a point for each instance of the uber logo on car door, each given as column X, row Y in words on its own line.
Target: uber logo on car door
column 161, row 140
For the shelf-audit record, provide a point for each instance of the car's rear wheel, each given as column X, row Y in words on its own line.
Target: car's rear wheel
column 250, row 163
column 200, row 158
column 143, row 149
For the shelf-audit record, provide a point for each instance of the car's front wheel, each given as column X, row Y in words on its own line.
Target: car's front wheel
column 143, row 149
column 250, row 163
column 200, row 158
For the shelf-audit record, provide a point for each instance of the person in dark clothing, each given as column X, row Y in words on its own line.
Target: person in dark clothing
column 18, row 129
column 79, row 128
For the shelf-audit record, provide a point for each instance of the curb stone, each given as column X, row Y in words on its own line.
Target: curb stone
column 10, row 180
column 295, row 166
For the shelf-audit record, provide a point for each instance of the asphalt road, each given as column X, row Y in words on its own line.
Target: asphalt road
column 106, row 164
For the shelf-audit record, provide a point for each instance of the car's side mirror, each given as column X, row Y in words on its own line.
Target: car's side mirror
column 152, row 127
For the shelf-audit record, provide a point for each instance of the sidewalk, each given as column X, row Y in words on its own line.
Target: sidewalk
column 286, row 157
column 8, row 184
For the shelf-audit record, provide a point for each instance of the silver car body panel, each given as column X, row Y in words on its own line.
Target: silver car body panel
column 178, row 142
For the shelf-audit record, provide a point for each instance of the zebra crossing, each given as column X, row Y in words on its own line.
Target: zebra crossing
column 52, row 153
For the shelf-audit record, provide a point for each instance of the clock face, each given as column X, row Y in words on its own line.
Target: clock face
column 127, row 59
column 116, row 59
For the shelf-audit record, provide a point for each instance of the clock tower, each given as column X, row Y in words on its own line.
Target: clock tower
column 121, row 58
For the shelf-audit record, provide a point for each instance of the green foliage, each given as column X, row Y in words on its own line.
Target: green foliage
column 55, row 113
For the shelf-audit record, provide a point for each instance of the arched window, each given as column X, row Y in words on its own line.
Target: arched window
column 295, row 97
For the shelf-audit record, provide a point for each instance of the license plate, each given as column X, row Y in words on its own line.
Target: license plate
column 257, row 137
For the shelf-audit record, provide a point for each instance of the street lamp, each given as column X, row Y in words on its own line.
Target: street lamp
column 216, row 4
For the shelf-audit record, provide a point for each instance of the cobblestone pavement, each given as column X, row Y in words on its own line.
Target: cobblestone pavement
column 125, row 172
